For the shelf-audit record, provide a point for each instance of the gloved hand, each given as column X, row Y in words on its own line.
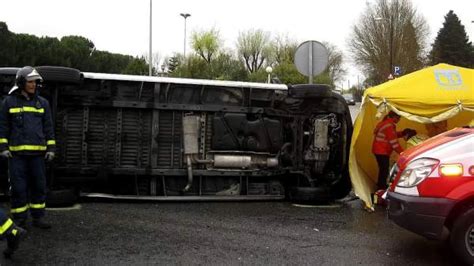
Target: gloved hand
column 49, row 156
column 6, row 154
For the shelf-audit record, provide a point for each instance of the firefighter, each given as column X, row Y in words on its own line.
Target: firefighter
column 27, row 140
column 11, row 232
column 386, row 141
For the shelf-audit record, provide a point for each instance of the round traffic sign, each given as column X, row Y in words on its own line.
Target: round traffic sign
column 311, row 58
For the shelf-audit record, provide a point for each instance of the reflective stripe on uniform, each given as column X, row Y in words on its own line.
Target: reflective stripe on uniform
column 4, row 227
column 37, row 205
column 415, row 140
column 26, row 109
column 3, row 140
column 393, row 141
column 383, row 127
column 380, row 139
column 51, row 142
column 28, row 148
column 18, row 210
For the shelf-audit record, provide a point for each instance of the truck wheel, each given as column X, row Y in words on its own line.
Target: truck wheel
column 462, row 236
column 61, row 198
column 341, row 188
column 60, row 74
column 309, row 91
column 310, row 195
column 8, row 71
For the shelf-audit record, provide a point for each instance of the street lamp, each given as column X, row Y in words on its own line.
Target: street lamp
column 269, row 71
column 150, row 63
column 390, row 41
column 185, row 16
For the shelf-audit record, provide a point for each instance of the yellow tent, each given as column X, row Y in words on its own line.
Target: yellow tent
column 437, row 93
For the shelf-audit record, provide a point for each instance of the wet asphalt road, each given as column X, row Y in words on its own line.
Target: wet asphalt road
column 354, row 111
column 223, row 233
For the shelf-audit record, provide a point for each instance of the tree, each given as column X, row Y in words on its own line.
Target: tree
column 136, row 66
column 288, row 74
column 7, row 46
column 452, row 44
column 253, row 48
column 335, row 70
column 283, row 49
column 389, row 33
column 226, row 67
column 193, row 67
column 50, row 52
column 206, row 44
column 77, row 51
column 172, row 63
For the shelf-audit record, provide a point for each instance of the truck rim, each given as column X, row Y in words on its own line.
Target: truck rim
column 470, row 239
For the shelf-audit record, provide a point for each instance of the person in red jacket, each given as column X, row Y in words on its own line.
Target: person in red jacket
column 386, row 141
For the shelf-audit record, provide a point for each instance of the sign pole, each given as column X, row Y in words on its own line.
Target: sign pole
column 310, row 61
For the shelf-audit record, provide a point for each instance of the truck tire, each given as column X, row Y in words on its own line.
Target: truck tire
column 309, row 91
column 60, row 74
column 340, row 189
column 61, row 198
column 8, row 71
column 310, row 195
column 462, row 236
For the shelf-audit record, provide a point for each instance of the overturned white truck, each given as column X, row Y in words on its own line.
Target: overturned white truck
column 158, row 138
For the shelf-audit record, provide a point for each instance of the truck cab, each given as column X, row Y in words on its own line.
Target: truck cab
column 432, row 193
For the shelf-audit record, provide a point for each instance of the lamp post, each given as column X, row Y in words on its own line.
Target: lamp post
column 390, row 44
column 269, row 71
column 150, row 63
column 185, row 16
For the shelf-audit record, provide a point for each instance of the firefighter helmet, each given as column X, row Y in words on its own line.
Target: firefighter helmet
column 25, row 74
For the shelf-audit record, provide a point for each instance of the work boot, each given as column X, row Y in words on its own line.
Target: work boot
column 40, row 224
column 20, row 222
column 14, row 237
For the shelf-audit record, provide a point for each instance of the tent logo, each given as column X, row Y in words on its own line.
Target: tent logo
column 449, row 79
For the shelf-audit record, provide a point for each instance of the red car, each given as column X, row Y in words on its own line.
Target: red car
column 432, row 193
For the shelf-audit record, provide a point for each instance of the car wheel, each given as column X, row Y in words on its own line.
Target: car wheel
column 61, row 198
column 310, row 195
column 60, row 74
column 462, row 236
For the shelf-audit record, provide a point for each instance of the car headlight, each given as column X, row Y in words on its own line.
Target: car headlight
column 417, row 171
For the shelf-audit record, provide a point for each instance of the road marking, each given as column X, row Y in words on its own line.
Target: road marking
column 329, row 206
column 75, row 207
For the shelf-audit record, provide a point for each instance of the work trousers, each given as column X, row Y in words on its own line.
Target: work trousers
column 5, row 224
column 28, row 186
column 383, row 161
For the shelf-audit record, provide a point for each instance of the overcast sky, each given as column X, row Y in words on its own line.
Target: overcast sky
column 122, row 26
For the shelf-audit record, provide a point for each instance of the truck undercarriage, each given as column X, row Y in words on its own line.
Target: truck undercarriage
column 174, row 139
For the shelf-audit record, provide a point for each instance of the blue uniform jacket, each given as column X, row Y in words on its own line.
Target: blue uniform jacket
column 26, row 125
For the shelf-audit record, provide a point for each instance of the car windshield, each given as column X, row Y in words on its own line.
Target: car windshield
column 347, row 96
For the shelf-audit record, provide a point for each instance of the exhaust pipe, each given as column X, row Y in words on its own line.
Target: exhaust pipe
column 190, row 136
column 190, row 173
